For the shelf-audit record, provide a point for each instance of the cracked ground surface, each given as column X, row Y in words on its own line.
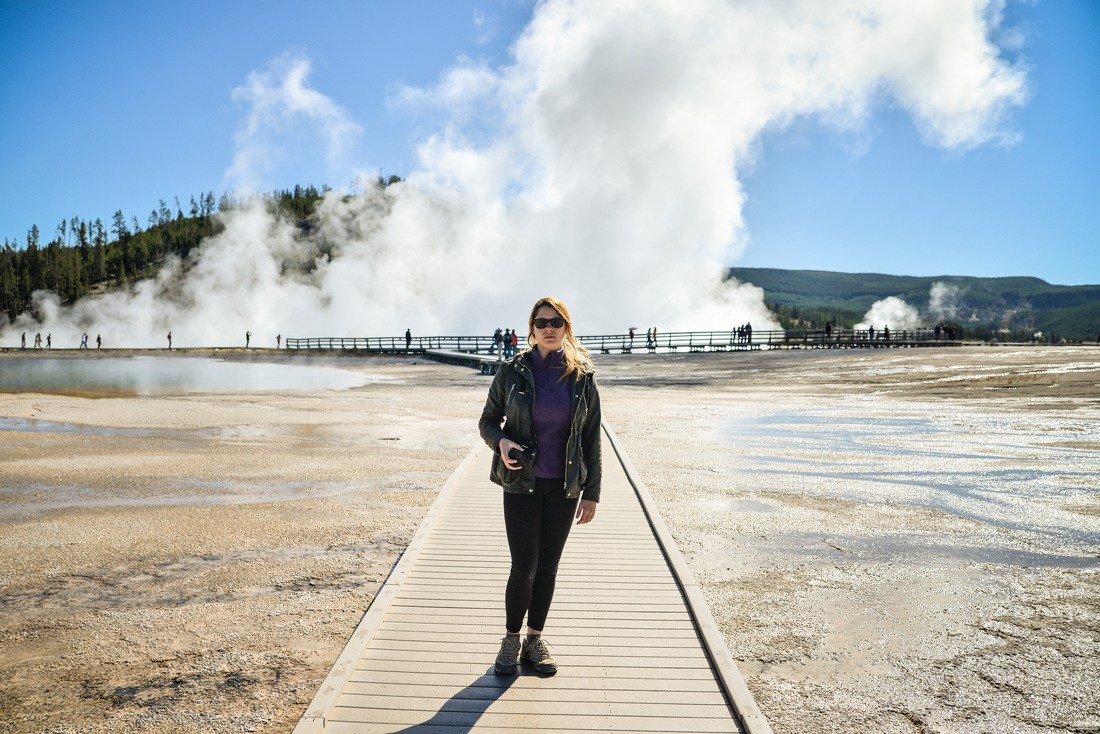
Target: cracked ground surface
column 196, row 562
column 905, row 541
column 897, row 541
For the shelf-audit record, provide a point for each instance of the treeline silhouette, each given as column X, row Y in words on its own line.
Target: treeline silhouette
column 86, row 256
column 798, row 318
column 1020, row 309
column 801, row 318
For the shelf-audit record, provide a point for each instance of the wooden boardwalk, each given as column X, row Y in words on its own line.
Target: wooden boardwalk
column 636, row 652
column 487, row 363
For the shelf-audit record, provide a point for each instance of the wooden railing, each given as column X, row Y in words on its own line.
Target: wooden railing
column 865, row 338
column 694, row 341
column 673, row 341
column 475, row 344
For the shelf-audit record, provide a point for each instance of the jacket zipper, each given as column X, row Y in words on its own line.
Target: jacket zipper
column 530, row 380
column 581, row 401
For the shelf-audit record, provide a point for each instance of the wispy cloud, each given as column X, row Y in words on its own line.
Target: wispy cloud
column 286, row 117
column 485, row 26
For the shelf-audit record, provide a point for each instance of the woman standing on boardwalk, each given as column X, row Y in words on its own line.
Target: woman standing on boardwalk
column 545, row 457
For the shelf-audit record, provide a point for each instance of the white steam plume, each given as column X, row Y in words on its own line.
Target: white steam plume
column 943, row 301
column 893, row 312
column 601, row 166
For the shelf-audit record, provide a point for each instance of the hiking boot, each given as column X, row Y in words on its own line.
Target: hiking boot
column 508, row 656
column 537, row 652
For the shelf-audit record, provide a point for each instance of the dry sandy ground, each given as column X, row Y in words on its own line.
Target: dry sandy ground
column 891, row 541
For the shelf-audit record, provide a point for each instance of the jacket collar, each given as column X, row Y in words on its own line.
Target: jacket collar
column 521, row 365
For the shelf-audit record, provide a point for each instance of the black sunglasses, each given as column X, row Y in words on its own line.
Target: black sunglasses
column 557, row 322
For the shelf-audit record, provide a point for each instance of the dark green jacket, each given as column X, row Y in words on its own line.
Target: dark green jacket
column 511, row 401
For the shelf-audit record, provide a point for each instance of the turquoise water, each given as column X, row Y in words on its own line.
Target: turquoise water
column 158, row 375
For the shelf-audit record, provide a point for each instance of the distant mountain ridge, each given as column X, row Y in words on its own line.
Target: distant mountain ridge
column 985, row 307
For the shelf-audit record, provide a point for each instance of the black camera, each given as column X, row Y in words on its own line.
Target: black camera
column 525, row 456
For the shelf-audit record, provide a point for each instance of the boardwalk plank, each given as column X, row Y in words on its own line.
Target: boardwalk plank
column 583, row 624
column 527, row 681
column 619, row 615
column 568, row 636
column 436, row 693
column 689, row 659
column 591, row 673
column 534, row 722
column 532, row 706
column 487, row 648
column 342, row 727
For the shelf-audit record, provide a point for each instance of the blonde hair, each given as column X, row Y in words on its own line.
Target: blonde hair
column 577, row 360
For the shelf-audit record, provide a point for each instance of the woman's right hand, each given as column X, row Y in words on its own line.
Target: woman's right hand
column 504, row 446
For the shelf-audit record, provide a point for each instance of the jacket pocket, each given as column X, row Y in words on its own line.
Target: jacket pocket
column 501, row 474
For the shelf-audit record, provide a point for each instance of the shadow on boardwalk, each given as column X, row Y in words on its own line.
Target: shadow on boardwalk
column 461, row 711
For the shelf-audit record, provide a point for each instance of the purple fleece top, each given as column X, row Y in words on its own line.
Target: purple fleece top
column 551, row 413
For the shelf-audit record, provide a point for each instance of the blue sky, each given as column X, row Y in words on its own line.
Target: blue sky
column 117, row 105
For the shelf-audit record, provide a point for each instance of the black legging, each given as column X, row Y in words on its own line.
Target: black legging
column 537, row 525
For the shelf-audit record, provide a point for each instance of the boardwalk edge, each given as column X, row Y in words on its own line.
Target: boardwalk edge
column 744, row 705
column 313, row 720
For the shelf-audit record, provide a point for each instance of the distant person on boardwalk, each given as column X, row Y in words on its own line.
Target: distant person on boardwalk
column 631, row 333
column 49, row 341
column 507, row 341
column 515, row 342
column 748, row 333
column 23, row 341
column 169, row 340
column 828, row 330
column 247, row 338
column 548, row 390
column 98, row 341
column 278, row 340
column 870, row 333
column 408, row 338
column 886, row 332
column 84, row 340
column 498, row 339
column 38, row 340
column 743, row 333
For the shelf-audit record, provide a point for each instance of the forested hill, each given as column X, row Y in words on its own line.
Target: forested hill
column 85, row 256
column 983, row 307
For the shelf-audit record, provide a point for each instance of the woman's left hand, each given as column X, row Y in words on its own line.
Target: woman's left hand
column 586, row 510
